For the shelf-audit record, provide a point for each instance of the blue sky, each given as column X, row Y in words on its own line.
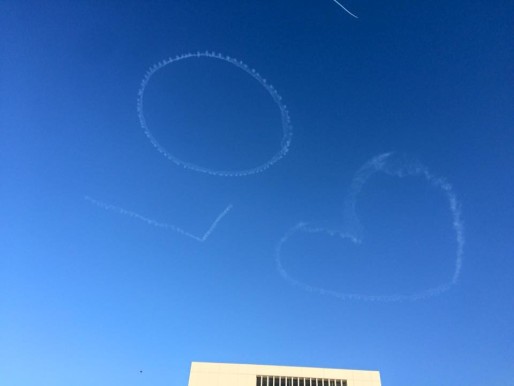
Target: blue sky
column 94, row 290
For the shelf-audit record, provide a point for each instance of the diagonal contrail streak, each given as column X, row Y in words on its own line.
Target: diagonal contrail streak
column 346, row 9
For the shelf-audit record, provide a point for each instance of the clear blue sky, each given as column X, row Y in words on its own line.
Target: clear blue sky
column 103, row 268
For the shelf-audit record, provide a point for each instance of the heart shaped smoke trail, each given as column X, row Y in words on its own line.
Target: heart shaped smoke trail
column 396, row 167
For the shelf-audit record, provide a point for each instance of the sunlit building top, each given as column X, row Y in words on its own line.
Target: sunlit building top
column 227, row 374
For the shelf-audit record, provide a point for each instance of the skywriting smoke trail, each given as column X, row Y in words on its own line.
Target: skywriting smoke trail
column 384, row 163
column 284, row 145
column 157, row 224
column 287, row 131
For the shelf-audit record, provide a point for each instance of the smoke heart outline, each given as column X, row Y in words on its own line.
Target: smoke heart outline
column 396, row 167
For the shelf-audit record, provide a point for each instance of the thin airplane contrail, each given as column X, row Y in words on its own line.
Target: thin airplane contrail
column 346, row 9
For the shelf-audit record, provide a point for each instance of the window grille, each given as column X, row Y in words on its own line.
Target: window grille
column 272, row 380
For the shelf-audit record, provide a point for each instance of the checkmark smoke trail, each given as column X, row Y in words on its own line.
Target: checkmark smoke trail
column 157, row 224
column 396, row 167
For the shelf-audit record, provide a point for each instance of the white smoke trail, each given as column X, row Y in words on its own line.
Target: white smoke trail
column 157, row 224
column 286, row 121
column 385, row 164
column 346, row 9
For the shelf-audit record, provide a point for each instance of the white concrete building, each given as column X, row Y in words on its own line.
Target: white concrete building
column 227, row 374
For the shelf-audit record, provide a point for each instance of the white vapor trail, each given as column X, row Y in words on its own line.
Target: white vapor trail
column 157, row 224
column 346, row 9
column 287, row 131
column 386, row 164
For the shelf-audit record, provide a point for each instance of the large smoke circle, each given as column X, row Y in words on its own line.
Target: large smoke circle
column 286, row 122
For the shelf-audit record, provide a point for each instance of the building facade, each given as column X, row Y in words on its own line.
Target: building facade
column 227, row 374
